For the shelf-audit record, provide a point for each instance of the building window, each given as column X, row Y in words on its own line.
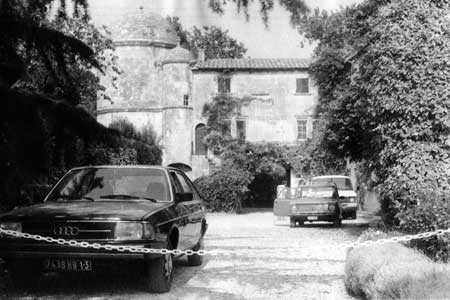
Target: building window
column 302, row 129
column 315, row 127
column 200, row 133
column 186, row 100
column 240, row 130
column 223, row 84
column 302, row 86
column 226, row 127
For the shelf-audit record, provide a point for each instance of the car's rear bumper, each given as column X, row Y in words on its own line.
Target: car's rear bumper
column 16, row 250
column 314, row 217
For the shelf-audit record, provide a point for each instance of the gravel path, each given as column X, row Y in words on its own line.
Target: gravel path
column 271, row 262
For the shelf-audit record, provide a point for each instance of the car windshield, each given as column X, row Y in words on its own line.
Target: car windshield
column 341, row 183
column 315, row 192
column 109, row 184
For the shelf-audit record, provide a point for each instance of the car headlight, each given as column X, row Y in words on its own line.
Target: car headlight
column 352, row 199
column 14, row 226
column 294, row 208
column 133, row 231
column 331, row 207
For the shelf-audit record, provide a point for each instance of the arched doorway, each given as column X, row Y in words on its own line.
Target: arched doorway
column 199, row 146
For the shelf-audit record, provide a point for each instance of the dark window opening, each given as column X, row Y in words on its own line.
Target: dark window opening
column 240, row 130
column 315, row 127
column 186, row 100
column 302, row 86
column 200, row 133
column 226, row 127
column 223, row 84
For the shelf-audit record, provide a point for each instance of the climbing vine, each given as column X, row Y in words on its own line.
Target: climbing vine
column 265, row 165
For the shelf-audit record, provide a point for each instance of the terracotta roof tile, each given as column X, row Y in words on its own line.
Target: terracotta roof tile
column 253, row 64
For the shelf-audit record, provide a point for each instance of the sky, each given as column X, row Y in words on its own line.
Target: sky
column 279, row 40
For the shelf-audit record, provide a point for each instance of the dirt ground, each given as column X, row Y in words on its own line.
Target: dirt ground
column 269, row 261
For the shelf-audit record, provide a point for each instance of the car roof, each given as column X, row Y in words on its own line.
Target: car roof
column 318, row 186
column 127, row 167
column 330, row 176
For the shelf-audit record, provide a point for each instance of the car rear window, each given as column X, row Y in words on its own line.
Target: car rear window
column 341, row 183
column 315, row 192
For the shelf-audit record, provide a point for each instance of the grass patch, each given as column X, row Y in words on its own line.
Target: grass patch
column 393, row 271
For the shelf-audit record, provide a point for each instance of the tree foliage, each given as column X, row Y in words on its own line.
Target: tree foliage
column 382, row 68
column 25, row 30
column 215, row 42
column 55, row 54
column 48, row 138
column 297, row 8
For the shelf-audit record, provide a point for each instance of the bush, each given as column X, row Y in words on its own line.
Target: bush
column 432, row 213
column 40, row 139
column 224, row 190
column 392, row 271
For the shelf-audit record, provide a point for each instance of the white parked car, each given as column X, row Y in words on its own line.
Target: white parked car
column 347, row 195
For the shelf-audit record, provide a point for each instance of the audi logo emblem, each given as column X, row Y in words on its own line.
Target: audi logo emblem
column 66, row 230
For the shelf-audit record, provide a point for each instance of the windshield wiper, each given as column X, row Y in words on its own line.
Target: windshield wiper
column 67, row 197
column 124, row 196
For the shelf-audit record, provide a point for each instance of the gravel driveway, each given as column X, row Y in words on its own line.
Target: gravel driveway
column 271, row 262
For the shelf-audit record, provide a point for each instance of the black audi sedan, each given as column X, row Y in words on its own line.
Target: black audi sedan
column 140, row 206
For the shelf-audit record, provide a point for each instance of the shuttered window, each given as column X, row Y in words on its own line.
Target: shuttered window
column 223, row 84
column 302, row 86
column 302, row 129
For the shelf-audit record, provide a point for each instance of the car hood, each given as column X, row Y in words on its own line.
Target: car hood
column 347, row 193
column 118, row 210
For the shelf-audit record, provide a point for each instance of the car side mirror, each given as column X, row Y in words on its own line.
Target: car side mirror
column 183, row 197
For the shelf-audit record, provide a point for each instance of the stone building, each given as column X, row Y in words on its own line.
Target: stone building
column 163, row 86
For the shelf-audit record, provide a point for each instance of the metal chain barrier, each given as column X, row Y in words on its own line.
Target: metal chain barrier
column 133, row 249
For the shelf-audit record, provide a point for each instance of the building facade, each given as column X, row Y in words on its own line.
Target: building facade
column 162, row 86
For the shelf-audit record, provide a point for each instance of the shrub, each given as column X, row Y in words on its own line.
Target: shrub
column 224, row 190
column 392, row 271
column 40, row 139
column 432, row 213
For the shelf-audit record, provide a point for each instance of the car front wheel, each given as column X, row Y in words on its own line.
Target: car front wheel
column 160, row 273
column 195, row 259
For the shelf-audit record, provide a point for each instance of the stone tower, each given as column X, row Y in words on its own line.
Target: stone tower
column 177, row 108
column 154, row 87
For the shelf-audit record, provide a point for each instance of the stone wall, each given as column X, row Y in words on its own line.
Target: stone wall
column 272, row 113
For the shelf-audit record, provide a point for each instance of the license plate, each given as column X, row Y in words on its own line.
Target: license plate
column 312, row 218
column 68, row 264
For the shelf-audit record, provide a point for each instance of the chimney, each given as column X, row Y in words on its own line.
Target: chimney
column 201, row 55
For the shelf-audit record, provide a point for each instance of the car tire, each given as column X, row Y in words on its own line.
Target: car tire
column 195, row 260
column 25, row 273
column 292, row 223
column 160, row 273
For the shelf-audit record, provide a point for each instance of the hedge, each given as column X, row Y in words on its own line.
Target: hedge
column 224, row 190
column 41, row 138
column 393, row 271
